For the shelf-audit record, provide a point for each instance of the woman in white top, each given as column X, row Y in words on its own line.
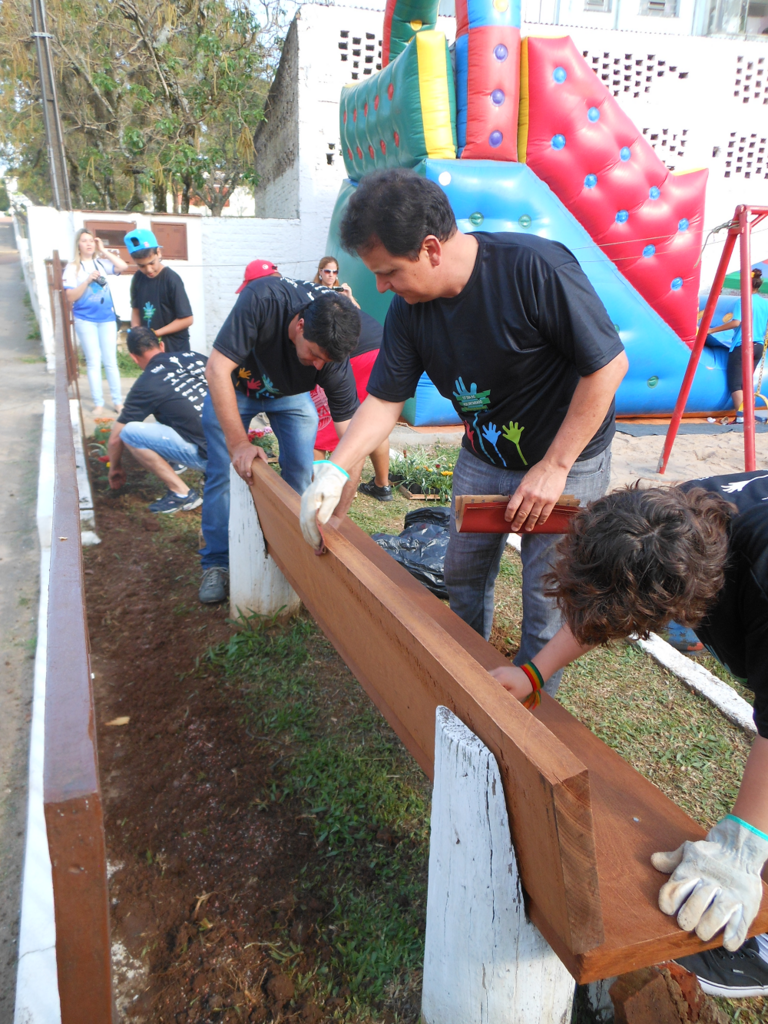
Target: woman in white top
column 85, row 281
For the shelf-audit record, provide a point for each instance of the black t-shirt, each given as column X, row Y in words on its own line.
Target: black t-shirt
column 736, row 627
column 255, row 336
column 171, row 388
column 371, row 333
column 161, row 300
column 508, row 350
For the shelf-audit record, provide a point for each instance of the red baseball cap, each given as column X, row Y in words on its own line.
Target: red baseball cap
column 255, row 270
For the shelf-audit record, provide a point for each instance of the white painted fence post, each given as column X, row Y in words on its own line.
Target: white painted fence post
column 255, row 582
column 484, row 962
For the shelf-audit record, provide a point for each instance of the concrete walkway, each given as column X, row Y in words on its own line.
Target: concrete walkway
column 24, row 384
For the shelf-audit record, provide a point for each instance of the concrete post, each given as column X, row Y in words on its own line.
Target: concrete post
column 484, row 962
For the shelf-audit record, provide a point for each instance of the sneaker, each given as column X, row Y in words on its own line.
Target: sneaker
column 740, row 418
column 373, row 490
column 179, row 467
column 214, row 586
column 171, row 502
column 739, row 975
column 683, row 639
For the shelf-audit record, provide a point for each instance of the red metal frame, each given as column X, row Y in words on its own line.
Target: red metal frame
column 744, row 220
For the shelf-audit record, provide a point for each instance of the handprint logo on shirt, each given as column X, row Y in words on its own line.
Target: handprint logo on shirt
column 472, row 400
column 149, row 311
column 513, row 432
column 492, row 434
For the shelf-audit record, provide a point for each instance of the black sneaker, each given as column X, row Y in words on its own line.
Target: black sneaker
column 171, row 502
column 179, row 467
column 738, row 975
column 372, row 490
column 214, row 585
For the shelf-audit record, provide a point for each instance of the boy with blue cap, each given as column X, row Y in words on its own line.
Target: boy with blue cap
column 158, row 298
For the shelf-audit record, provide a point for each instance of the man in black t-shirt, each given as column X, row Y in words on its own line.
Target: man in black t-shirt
column 158, row 297
column 171, row 388
column 633, row 561
column 281, row 338
column 510, row 330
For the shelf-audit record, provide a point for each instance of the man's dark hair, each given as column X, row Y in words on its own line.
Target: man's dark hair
column 399, row 209
column 142, row 253
column 634, row 560
column 141, row 340
column 333, row 323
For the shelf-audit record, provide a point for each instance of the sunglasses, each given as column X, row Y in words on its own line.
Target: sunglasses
column 326, row 271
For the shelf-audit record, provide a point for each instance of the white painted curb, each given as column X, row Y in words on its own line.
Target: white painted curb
column 695, row 677
column 37, row 987
column 701, row 681
column 88, row 533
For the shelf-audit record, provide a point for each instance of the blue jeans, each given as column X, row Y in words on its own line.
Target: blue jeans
column 294, row 421
column 472, row 560
column 99, row 344
column 164, row 441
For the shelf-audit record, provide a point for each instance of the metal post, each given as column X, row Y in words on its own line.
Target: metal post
column 701, row 337
column 747, row 362
column 54, row 136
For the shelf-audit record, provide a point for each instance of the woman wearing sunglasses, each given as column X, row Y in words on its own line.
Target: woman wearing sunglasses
column 328, row 274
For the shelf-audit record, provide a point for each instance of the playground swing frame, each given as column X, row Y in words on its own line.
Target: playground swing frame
column 745, row 219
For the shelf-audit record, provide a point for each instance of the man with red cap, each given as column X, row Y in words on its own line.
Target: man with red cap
column 281, row 339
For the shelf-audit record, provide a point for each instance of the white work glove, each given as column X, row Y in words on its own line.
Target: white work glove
column 716, row 882
column 320, row 499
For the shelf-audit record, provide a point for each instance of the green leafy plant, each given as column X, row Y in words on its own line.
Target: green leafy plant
column 422, row 475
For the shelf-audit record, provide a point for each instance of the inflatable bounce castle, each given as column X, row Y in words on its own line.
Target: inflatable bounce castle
column 523, row 136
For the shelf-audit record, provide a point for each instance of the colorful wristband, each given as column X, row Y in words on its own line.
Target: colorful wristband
column 534, row 677
column 327, row 462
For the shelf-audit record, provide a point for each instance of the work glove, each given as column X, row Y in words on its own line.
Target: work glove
column 320, row 499
column 716, row 882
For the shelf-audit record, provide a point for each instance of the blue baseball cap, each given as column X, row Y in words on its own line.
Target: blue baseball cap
column 139, row 240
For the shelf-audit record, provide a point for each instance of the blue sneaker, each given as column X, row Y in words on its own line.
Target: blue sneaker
column 171, row 502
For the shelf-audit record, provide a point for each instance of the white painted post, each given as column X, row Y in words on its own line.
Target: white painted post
column 255, row 582
column 484, row 962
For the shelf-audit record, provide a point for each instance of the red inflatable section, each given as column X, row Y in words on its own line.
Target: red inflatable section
column 493, row 92
column 576, row 138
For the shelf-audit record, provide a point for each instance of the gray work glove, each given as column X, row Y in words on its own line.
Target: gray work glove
column 716, row 881
column 320, row 499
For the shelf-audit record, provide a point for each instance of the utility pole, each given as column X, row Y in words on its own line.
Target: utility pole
column 54, row 137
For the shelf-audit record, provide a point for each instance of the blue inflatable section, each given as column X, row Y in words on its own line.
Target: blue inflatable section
column 460, row 72
column 488, row 195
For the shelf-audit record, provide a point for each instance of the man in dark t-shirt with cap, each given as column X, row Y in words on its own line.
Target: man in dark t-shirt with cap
column 280, row 340
column 158, row 297
column 171, row 388
column 511, row 331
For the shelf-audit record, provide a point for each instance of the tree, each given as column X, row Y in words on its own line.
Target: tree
column 155, row 96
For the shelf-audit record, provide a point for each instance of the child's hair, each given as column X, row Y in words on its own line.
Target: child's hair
column 326, row 261
column 757, row 280
column 636, row 559
column 141, row 340
column 78, row 236
column 145, row 252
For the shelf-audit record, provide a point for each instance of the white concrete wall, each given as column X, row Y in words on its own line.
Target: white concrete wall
column 230, row 245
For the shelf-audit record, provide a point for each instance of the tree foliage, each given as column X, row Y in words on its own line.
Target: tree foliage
column 155, row 96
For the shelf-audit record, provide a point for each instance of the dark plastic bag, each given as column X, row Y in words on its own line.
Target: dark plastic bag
column 421, row 547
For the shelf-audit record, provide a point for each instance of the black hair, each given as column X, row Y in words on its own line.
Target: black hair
column 757, row 280
column 399, row 209
column 141, row 340
column 333, row 323
column 145, row 252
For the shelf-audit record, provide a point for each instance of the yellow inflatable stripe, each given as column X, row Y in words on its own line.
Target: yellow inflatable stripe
column 433, row 95
column 524, row 108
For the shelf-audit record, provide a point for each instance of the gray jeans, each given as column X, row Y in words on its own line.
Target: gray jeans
column 472, row 561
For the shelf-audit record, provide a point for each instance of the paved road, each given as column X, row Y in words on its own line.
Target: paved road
column 24, row 384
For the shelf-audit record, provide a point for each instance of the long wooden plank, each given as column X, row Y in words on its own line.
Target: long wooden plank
column 409, row 665
column 637, row 934
column 407, row 689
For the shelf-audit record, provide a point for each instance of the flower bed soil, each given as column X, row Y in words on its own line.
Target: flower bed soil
column 204, row 885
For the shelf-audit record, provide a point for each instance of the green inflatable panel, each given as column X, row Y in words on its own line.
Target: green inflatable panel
column 404, row 114
column 402, row 20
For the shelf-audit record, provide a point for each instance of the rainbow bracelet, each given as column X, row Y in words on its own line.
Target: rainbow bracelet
column 534, row 677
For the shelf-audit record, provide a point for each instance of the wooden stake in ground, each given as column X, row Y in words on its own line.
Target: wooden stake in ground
column 255, row 582
column 484, row 960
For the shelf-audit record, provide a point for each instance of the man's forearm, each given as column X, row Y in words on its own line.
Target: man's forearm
column 372, row 422
column 224, row 398
column 752, row 802
column 180, row 324
column 135, row 318
column 115, row 446
column 590, row 402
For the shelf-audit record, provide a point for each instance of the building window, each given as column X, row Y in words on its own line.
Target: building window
column 600, row 6
column 659, row 8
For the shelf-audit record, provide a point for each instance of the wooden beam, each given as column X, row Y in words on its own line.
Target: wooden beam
column 583, row 822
